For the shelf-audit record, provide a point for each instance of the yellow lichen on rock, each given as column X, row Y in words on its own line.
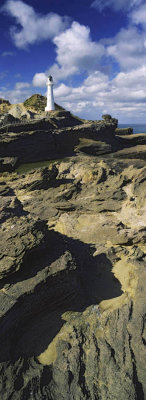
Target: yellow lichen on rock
column 125, row 272
column 87, row 177
column 107, row 306
column 50, row 354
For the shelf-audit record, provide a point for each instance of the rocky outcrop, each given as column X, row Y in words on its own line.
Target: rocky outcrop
column 4, row 105
column 8, row 119
column 62, row 134
column 72, row 280
column 57, row 120
column 19, row 112
column 124, row 131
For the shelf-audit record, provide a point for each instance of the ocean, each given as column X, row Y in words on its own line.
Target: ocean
column 136, row 128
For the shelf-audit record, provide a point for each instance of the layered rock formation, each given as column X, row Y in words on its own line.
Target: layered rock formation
column 46, row 136
column 72, row 272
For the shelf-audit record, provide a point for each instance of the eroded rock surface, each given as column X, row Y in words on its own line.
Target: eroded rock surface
column 58, row 135
column 72, row 272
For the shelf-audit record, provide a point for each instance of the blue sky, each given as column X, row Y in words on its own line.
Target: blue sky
column 95, row 50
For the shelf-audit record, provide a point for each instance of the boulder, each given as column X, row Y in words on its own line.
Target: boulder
column 8, row 163
column 20, row 112
column 4, row 105
column 7, row 118
column 124, row 131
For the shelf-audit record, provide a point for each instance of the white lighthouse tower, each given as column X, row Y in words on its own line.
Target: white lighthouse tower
column 50, row 98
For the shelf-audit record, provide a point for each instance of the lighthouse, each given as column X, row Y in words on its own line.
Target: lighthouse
column 50, row 98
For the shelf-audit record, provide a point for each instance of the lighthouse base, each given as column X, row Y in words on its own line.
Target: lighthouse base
column 49, row 109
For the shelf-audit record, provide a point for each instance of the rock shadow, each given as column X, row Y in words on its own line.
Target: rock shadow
column 83, row 279
column 10, row 204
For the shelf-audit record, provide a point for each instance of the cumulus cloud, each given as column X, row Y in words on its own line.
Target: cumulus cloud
column 76, row 45
column 116, row 5
column 124, row 96
column 34, row 27
column 138, row 16
column 75, row 51
column 40, row 79
column 128, row 47
column 63, row 91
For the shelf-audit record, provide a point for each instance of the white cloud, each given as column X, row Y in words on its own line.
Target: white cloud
column 124, row 96
column 128, row 47
column 62, row 72
column 16, row 95
column 116, row 5
column 138, row 16
column 40, row 79
column 22, row 85
column 76, row 52
column 133, row 80
column 62, row 91
column 35, row 27
column 74, row 46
